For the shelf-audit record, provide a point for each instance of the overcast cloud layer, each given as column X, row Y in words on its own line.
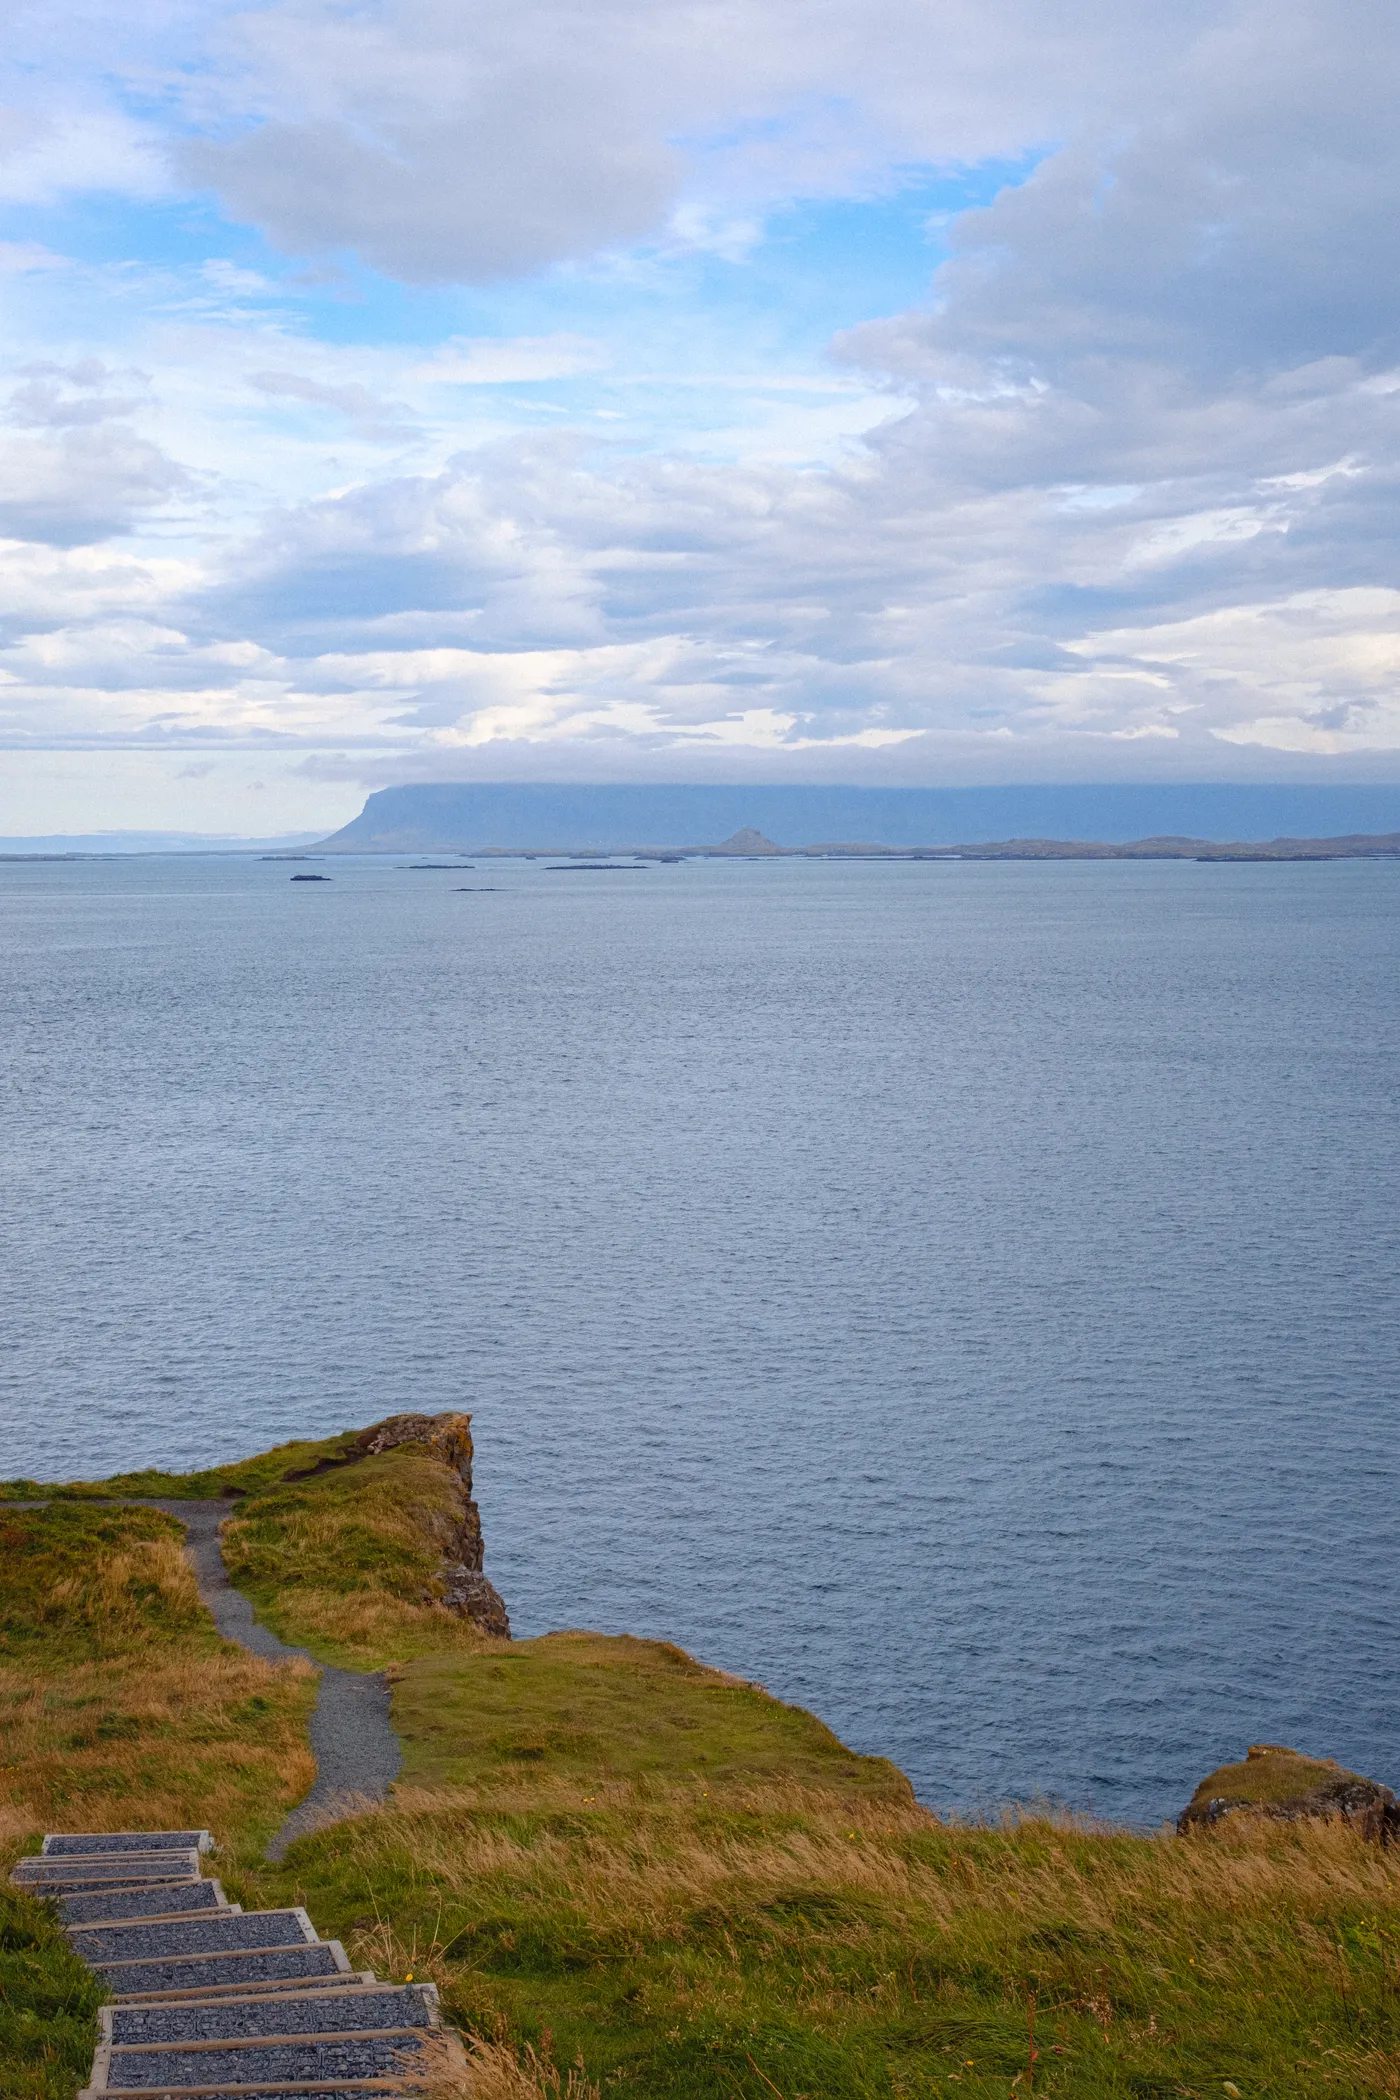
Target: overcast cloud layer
column 915, row 389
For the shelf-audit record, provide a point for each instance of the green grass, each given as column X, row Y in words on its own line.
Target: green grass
column 586, row 1711
column 119, row 1703
column 245, row 1476
column 648, row 1870
column 348, row 1564
column 777, row 1940
column 1271, row 1777
column 48, row 2004
column 82, row 1584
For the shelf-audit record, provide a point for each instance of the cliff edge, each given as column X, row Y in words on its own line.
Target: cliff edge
column 447, row 1438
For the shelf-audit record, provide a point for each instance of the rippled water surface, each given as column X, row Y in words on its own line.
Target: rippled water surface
column 960, row 1296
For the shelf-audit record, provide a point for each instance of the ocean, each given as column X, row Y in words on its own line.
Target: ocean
column 960, row 1296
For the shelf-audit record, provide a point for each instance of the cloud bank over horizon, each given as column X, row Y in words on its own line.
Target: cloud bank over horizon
column 893, row 393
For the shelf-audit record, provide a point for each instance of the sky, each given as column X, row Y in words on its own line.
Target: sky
column 922, row 391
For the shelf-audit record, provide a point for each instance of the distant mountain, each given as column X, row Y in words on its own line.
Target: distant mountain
column 546, row 818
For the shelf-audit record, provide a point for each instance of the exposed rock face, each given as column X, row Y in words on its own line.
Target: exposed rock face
column 448, row 1438
column 468, row 1591
column 1284, row 1785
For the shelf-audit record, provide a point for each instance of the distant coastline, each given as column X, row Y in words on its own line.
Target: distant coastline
column 1207, row 821
column 752, row 845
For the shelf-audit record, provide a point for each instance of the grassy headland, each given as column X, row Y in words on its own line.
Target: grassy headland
column 654, row 1875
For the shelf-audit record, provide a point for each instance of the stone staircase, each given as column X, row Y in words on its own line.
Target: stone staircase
column 209, row 1999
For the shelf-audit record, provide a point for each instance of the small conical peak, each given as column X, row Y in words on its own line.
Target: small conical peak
column 749, row 841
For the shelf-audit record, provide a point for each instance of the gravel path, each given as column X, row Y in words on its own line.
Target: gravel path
column 138, row 1979
column 357, row 1751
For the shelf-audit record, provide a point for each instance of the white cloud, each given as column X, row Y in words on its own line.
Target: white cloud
column 46, row 154
column 1125, row 494
column 384, row 421
column 80, row 485
column 442, row 148
column 19, row 258
column 494, row 361
column 1324, row 664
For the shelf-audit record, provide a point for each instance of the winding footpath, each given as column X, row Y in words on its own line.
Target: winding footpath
column 357, row 1752
column 209, row 1999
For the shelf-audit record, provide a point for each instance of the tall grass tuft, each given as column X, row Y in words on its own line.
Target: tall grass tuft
column 492, row 2070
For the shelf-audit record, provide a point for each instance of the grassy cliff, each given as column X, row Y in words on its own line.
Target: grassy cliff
column 641, row 1871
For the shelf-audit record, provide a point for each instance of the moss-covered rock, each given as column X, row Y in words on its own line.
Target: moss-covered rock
column 1284, row 1784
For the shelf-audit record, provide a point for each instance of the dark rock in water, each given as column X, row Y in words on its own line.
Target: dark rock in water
column 1283, row 1785
column 312, row 878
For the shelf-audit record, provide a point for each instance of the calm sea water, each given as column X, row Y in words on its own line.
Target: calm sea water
column 961, row 1297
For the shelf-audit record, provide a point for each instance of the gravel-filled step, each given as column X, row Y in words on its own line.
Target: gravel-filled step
column 208, row 2000
column 119, row 1906
column 100, row 1873
column 196, row 1935
column 235, row 2019
column 380, row 2088
column 97, row 1841
column 137, row 1979
column 282, row 2062
column 250, row 1987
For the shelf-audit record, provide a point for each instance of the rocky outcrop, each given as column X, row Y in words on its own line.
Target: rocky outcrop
column 447, row 1436
column 1284, row 1785
column 462, row 1586
column 466, row 1590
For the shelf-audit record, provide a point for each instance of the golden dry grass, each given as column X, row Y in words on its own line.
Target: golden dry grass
column 120, row 1707
column 778, row 1939
column 669, row 1856
column 492, row 2070
column 349, row 1564
column 119, row 1704
column 215, row 1739
column 366, row 1630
